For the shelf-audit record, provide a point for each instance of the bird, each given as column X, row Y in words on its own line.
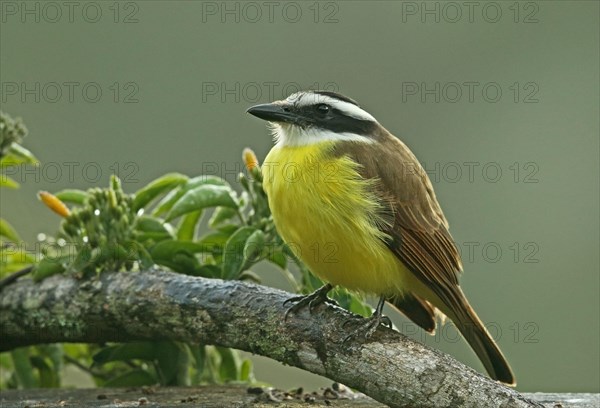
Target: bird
column 354, row 204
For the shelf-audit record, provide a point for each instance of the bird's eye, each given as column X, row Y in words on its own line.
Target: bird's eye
column 322, row 108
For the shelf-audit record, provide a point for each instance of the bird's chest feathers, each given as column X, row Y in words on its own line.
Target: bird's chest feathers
column 323, row 209
column 308, row 184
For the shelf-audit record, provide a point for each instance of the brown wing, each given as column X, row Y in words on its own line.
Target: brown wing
column 419, row 231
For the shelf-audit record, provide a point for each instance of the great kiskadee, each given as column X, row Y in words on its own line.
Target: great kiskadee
column 355, row 205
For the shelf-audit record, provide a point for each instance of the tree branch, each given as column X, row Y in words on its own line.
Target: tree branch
column 155, row 305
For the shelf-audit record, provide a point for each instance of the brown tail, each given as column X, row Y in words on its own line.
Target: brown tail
column 467, row 322
column 475, row 333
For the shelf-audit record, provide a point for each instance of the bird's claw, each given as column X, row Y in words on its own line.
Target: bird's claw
column 312, row 300
column 368, row 327
column 370, row 324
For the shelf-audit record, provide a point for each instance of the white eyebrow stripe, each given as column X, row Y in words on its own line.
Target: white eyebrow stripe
column 347, row 108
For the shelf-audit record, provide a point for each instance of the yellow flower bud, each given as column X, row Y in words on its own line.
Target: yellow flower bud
column 250, row 159
column 54, row 203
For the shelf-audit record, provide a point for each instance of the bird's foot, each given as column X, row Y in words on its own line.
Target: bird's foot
column 369, row 325
column 312, row 300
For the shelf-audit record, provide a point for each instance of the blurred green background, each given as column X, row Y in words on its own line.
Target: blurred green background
column 498, row 100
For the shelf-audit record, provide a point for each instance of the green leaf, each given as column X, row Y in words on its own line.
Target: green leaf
column 188, row 225
column 171, row 358
column 254, row 246
column 182, row 263
column 148, row 227
column 170, row 248
column 73, row 196
column 246, row 372
column 7, row 231
column 358, row 306
column 134, row 378
column 7, row 269
column 228, row 228
column 173, row 196
column 86, row 257
column 48, row 267
column 23, row 367
column 150, row 238
column 143, row 256
column 209, row 271
column 230, row 362
column 204, row 179
column 213, row 362
column 177, row 255
column 55, row 354
column 157, row 187
column 233, row 257
column 214, row 242
column 48, row 376
column 148, row 223
column 278, row 258
column 7, row 182
column 15, row 254
column 78, row 351
column 203, row 197
column 198, row 351
column 166, row 203
column 21, row 154
column 141, row 350
column 221, row 215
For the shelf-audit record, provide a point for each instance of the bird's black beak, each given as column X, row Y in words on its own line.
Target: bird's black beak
column 273, row 113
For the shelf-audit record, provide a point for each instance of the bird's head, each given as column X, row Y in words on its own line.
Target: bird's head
column 310, row 117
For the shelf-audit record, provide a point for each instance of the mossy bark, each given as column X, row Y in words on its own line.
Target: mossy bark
column 159, row 305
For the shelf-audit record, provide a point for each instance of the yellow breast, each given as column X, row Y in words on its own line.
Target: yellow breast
column 326, row 213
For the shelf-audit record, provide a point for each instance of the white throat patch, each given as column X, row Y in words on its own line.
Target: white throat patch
column 290, row 135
